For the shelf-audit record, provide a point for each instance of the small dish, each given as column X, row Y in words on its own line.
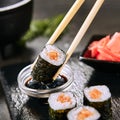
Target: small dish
column 25, row 73
column 99, row 65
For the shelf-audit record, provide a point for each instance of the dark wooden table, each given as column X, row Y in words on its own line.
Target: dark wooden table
column 107, row 21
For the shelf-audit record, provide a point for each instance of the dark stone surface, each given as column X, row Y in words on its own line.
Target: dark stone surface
column 23, row 107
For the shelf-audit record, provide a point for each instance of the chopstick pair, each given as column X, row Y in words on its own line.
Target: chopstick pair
column 81, row 32
column 68, row 17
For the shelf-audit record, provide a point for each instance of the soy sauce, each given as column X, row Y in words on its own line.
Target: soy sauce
column 34, row 84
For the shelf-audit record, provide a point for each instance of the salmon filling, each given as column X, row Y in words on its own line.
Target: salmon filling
column 63, row 98
column 84, row 113
column 53, row 55
column 95, row 94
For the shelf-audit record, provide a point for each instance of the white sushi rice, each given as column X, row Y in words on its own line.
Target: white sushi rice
column 57, row 105
column 61, row 55
column 102, row 88
column 74, row 113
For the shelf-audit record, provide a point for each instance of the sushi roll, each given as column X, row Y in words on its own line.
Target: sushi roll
column 99, row 97
column 59, row 105
column 48, row 62
column 83, row 113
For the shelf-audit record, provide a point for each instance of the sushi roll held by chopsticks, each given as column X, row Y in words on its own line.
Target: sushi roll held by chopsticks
column 41, row 70
column 59, row 105
column 83, row 113
column 48, row 62
column 99, row 97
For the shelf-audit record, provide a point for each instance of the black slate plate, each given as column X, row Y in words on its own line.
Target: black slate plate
column 22, row 107
column 99, row 65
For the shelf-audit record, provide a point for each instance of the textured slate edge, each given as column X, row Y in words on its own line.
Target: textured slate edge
column 8, row 90
column 6, row 93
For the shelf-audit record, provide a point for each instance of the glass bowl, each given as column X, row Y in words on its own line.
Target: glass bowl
column 25, row 74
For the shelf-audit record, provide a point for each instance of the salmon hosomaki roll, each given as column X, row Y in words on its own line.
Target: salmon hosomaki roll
column 49, row 61
column 59, row 105
column 83, row 113
column 99, row 97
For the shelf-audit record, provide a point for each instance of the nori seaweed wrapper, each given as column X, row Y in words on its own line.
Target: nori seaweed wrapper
column 58, row 114
column 45, row 68
column 44, row 71
column 103, row 107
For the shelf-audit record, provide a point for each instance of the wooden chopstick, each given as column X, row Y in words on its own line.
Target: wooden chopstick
column 75, row 7
column 81, row 32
